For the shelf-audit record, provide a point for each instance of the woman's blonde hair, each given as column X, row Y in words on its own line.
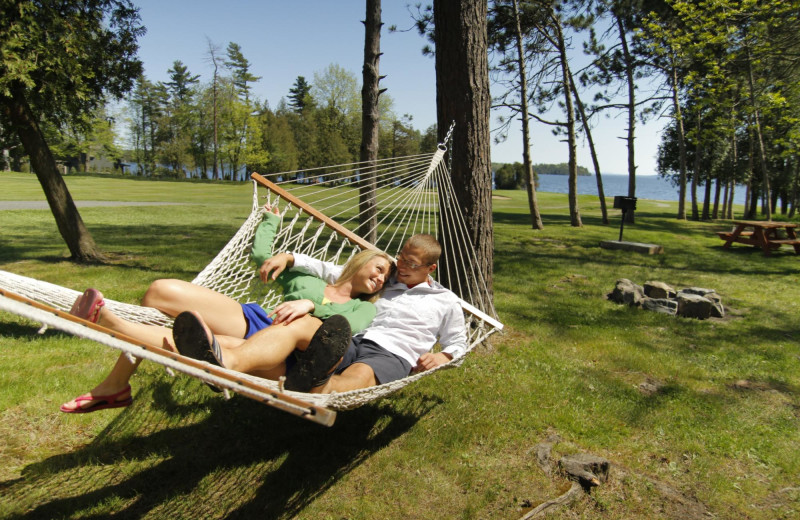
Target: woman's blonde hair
column 356, row 263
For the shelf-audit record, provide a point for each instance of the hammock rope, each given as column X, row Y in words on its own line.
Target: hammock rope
column 320, row 217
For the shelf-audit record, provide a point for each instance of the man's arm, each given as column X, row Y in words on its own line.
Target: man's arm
column 452, row 337
column 275, row 265
column 327, row 271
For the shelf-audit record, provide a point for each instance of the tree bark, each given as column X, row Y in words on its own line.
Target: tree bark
column 629, row 215
column 79, row 241
column 462, row 95
column 566, row 84
column 592, row 150
column 676, row 104
column 370, row 121
column 762, row 155
column 533, row 204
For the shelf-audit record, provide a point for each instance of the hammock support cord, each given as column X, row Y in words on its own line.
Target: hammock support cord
column 320, row 215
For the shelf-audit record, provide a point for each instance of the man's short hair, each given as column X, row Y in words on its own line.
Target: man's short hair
column 430, row 247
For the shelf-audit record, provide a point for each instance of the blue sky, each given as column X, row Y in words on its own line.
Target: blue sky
column 286, row 39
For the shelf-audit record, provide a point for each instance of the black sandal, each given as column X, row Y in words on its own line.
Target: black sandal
column 191, row 341
column 316, row 364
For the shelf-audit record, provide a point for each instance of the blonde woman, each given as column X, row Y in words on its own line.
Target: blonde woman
column 308, row 301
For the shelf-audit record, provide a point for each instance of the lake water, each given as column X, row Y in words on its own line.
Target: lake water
column 647, row 187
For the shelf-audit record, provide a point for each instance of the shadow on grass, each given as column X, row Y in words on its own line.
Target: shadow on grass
column 122, row 243
column 181, row 452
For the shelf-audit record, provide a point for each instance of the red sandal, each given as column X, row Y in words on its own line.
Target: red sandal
column 88, row 305
column 103, row 402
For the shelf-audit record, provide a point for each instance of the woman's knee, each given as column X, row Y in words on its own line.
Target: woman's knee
column 161, row 294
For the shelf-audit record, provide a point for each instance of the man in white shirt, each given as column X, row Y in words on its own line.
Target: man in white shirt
column 413, row 314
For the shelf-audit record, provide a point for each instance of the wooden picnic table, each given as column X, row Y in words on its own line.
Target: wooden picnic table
column 763, row 234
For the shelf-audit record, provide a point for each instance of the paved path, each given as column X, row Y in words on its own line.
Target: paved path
column 42, row 204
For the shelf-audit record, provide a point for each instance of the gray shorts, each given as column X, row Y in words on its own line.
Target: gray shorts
column 386, row 366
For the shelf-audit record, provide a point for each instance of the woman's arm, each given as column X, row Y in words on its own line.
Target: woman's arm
column 262, row 242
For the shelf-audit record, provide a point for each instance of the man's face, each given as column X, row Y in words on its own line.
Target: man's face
column 411, row 266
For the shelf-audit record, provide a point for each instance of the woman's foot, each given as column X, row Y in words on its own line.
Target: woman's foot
column 88, row 305
column 94, row 401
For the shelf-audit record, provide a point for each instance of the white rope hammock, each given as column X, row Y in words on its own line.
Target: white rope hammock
column 320, row 217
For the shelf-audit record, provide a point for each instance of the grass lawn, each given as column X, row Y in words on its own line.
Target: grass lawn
column 699, row 419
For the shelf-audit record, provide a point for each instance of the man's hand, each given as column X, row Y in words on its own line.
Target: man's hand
column 274, row 266
column 287, row 312
column 428, row 361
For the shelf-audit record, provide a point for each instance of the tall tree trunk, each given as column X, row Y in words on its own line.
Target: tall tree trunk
column 717, row 189
column 574, row 211
column 762, row 155
column 681, row 145
column 462, row 95
column 751, row 202
column 629, row 138
column 592, row 150
column 698, row 153
column 536, row 217
column 370, row 121
column 79, row 241
column 707, row 197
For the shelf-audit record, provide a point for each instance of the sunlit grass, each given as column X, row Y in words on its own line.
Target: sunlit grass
column 707, row 409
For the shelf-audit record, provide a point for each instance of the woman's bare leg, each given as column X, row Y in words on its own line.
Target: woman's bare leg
column 222, row 314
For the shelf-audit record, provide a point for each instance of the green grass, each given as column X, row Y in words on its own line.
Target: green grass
column 718, row 436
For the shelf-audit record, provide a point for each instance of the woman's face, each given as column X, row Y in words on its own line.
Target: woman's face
column 372, row 275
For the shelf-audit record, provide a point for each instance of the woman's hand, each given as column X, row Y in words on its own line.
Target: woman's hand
column 287, row 312
column 275, row 265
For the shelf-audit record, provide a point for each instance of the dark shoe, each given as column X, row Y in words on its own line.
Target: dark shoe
column 315, row 365
column 192, row 340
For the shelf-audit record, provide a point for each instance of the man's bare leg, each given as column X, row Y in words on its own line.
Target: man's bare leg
column 268, row 349
column 357, row 375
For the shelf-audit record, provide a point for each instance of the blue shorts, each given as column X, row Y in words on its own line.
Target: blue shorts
column 256, row 318
column 386, row 366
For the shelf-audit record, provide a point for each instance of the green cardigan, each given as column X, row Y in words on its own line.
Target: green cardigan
column 301, row 286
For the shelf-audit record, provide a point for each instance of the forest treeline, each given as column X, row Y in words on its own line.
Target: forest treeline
column 188, row 128
column 731, row 97
column 512, row 176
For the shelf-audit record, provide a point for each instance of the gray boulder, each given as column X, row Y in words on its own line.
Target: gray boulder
column 625, row 291
column 659, row 290
column 662, row 305
column 694, row 306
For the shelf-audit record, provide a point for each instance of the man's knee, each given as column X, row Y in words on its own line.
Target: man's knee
column 361, row 374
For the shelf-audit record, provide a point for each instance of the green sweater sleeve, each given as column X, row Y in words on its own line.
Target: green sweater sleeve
column 262, row 242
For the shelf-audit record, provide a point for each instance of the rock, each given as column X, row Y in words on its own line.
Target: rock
column 697, row 290
column 659, row 290
column 694, row 306
column 662, row 305
column 625, row 291
column 586, row 469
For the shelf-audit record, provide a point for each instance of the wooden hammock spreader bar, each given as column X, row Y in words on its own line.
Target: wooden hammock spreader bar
column 352, row 237
column 250, row 389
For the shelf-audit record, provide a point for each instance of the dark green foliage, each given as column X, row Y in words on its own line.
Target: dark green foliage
column 68, row 55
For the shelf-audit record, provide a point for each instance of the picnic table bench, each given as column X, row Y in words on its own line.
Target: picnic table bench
column 763, row 234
